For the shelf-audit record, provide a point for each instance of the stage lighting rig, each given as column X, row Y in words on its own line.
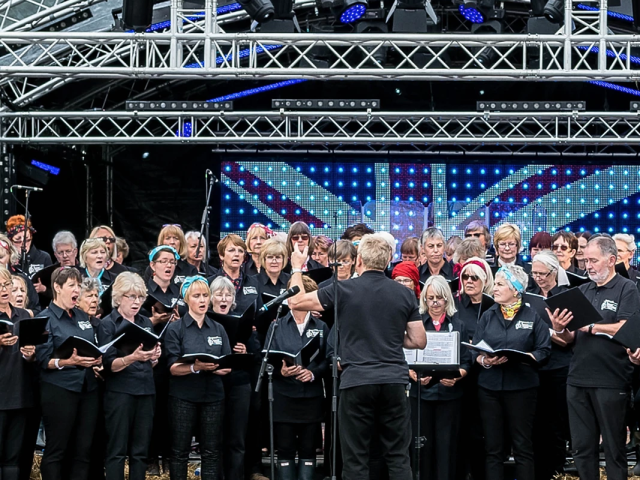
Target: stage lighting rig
column 137, row 15
column 531, row 106
column 410, row 16
column 178, row 105
column 325, row 104
column 554, row 11
column 346, row 11
column 260, row 11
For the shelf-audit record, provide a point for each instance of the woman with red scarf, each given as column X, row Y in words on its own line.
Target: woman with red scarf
column 407, row 274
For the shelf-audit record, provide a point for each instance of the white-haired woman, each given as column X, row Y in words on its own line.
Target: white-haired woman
column 551, row 431
column 237, row 387
column 129, row 397
column 441, row 403
column 196, row 392
column 433, row 242
column 475, row 281
column 195, row 253
column 626, row 251
column 508, row 389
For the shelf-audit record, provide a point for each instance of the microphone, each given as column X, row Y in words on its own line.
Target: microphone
column 23, row 187
column 289, row 293
column 209, row 173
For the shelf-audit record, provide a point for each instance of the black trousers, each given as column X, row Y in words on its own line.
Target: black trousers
column 258, row 425
column 295, row 437
column 129, row 425
column 34, row 416
column 186, row 417
column 471, row 448
column 361, row 410
column 551, row 426
column 513, row 411
column 99, row 445
column 160, row 440
column 440, row 425
column 236, row 421
column 12, row 427
column 69, row 420
column 592, row 412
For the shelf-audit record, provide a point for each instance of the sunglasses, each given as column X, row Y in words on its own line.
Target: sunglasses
column 107, row 239
column 304, row 236
column 473, row 278
column 477, row 235
column 171, row 225
column 564, row 248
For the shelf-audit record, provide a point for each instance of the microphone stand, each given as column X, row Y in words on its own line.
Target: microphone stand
column 265, row 366
column 418, row 440
column 335, row 359
column 204, row 224
column 23, row 256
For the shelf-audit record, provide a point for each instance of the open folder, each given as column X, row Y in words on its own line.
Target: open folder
column 439, row 359
column 584, row 313
column 238, row 327
column 132, row 336
column 303, row 357
column 511, row 354
column 84, row 347
column 629, row 334
column 236, row 361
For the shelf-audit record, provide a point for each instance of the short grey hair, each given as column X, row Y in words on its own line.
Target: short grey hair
column 90, row 284
column 196, row 236
column 519, row 274
column 629, row 240
column 431, row 232
column 468, row 248
column 64, row 237
column 223, row 284
column 441, row 288
column 605, row 242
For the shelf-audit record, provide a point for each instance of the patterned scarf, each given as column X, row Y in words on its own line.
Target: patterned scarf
column 510, row 311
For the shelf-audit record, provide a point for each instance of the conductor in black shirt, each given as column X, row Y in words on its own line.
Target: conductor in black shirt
column 377, row 317
column 600, row 372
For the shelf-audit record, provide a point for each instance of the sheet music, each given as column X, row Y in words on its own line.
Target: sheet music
column 443, row 348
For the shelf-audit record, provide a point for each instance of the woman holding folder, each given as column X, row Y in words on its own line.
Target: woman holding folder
column 68, row 387
column 440, row 400
column 508, row 387
column 130, row 391
column 17, row 376
column 196, row 393
column 298, row 391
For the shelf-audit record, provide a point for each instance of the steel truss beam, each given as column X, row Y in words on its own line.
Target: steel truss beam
column 426, row 57
column 323, row 128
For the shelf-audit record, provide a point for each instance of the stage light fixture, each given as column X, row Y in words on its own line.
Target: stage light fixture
column 137, row 15
column 261, row 11
column 554, row 11
column 178, row 105
column 531, row 106
column 471, row 13
column 325, row 104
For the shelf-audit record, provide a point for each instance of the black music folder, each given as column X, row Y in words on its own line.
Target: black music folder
column 537, row 303
column 511, row 354
column 629, row 334
column 6, row 327
column 84, row 347
column 238, row 327
column 577, row 280
column 304, row 357
column 132, row 336
column 584, row 313
column 236, row 361
column 33, row 331
column 160, row 305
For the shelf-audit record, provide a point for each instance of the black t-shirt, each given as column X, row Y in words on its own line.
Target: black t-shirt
column 373, row 313
column 16, row 374
column 468, row 313
column 597, row 360
column 446, row 271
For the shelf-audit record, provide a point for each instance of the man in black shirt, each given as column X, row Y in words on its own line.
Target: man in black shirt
column 378, row 317
column 600, row 371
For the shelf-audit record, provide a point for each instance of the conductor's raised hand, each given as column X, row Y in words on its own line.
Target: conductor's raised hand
column 299, row 258
column 290, row 371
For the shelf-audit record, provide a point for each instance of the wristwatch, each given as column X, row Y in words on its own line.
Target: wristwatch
column 591, row 328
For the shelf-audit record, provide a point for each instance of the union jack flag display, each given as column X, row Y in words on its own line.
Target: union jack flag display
column 404, row 198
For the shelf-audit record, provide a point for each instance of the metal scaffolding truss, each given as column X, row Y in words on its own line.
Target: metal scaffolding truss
column 323, row 128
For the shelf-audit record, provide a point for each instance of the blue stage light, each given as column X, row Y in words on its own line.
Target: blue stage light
column 254, row 91
column 353, row 13
column 472, row 14
column 47, row 168
column 614, row 86
column 619, row 16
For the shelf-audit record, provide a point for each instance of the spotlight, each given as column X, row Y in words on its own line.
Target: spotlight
column 260, row 11
column 348, row 11
column 531, row 106
column 177, row 105
column 554, row 11
column 471, row 13
column 325, row 104
column 137, row 15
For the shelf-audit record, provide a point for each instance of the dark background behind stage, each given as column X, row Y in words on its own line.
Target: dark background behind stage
column 157, row 185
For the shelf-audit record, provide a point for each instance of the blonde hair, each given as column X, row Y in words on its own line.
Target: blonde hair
column 5, row 275
column 441, row 288
column 505, row 232
column 223, row 284
column 14, row 254
column 375, row 252
column 468, row 248
column 484, row 274
column 273, row 247
column 175, row 231
column 198, row 283
column 22, row 282
column 91, row 244
column 253, row 231
column 127, row 282
column 94, row 232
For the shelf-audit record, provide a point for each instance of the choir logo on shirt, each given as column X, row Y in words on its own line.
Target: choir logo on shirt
column 609, row 305
column 249, row 290
column 35, row 268
column 214, row 341
column 148, row 329
column 524, row 325
column 85, row 325
column 179, row 279
column 312, row 332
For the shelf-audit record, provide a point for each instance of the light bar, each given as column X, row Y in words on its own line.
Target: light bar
column 46, row 167
column 178, row 105
column 529, row 106
column 331, row 104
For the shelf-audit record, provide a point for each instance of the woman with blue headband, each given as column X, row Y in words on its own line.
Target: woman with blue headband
column 196, row 392
column 507, row 390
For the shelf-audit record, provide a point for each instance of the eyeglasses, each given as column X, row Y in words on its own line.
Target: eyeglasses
column 564, row 248
column 477, row 235
column 133, row 298
column 403, row 281
column 509, row 245
column 20, row 241
column 171, row 225
column 303, row 237
column 167, row 262
column 473, row 278
column 107, row 239
column 6, row 286
column 222, row 296
column 540, row 274
column 65, row 253
column 435, row 300
column 274, row 258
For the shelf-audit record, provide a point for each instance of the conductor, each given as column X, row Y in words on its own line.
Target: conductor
column 377, row 318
